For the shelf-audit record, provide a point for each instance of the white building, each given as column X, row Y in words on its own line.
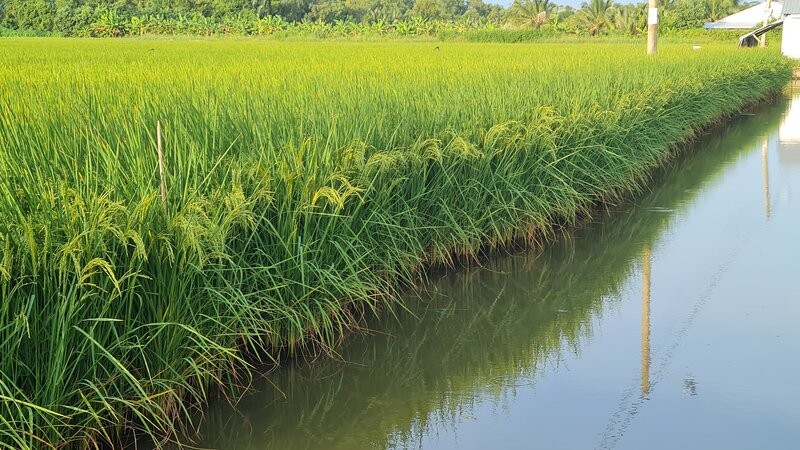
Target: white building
column 749, row 18
column 791, row 29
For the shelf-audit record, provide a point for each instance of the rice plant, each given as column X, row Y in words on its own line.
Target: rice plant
column 304, row 184
column 476, row 334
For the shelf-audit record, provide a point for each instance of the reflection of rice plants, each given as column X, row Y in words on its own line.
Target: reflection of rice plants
column 476, row 336
column 304, row 181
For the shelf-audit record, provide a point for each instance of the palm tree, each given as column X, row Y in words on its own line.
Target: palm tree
column 631, row 19
column 597, row 15
column 531, row 13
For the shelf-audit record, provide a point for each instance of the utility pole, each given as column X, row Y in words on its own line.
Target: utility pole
column 767, row 17
column 652, row 27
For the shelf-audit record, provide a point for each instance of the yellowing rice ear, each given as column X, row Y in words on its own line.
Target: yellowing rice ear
column 305, row 183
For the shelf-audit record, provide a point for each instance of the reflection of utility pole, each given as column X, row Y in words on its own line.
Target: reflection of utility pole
column 646, row 321
column 765, row 166
column 652, row 27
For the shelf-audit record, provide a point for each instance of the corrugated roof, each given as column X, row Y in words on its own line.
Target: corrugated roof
column 791, row 7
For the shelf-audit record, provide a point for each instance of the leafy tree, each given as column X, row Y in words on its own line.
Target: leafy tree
column 390, row 10
column 438, row 9
column 328, row 11
column 717, row 9
column 293, row 10
column 477, row 8
column 38, row 15
column 684, row 14
column 341, row 17
column 264, row 8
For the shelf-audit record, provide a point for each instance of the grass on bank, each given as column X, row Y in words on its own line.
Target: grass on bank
column 305, row 182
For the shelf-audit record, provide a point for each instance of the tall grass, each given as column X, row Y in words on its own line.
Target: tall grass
column 305, row 183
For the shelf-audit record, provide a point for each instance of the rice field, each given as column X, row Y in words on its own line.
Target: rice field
column 305, row 183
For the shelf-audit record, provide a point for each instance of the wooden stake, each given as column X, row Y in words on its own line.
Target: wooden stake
column 161, row 168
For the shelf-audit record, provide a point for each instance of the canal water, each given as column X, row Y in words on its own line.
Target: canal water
column 672, row 322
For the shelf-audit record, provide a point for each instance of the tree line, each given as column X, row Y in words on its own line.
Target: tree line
column 344, row 17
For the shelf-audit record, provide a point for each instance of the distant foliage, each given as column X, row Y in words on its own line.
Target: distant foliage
column 345, row 18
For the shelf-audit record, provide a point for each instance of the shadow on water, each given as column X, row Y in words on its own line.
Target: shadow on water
column 480, row 334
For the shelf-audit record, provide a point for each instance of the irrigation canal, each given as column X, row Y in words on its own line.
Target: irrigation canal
column 671, row 323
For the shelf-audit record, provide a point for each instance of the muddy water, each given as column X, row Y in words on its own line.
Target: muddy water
column 670, row 323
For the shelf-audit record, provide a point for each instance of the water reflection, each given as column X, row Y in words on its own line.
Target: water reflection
column 765, row 170
column 646, row 321
column 479, row 341
column 789, row 134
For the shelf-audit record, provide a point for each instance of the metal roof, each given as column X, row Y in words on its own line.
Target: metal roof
column 791, row 7
column 749, row 18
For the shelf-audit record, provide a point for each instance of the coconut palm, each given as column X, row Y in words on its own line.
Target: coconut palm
column 597, row 15
column 531, row 13
column 631, row 19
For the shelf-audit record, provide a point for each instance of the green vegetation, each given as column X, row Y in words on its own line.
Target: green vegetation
column 304, row 184
column 348, row 18
column 481, row 331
